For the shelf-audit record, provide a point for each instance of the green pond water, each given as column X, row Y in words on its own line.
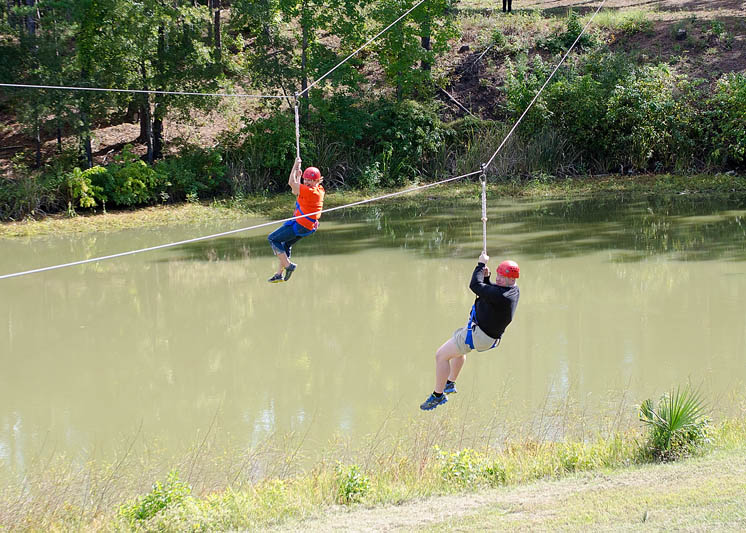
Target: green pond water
column 622, row 298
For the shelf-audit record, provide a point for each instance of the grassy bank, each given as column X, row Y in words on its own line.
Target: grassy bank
column 212, row 490
column 278, row 206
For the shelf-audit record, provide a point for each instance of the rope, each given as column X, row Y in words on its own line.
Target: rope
column 231, row 232
column 456, row 101
column 376, row 36
column 520, row 119
column 297, row 131
column 140, row 91
column 483, row 179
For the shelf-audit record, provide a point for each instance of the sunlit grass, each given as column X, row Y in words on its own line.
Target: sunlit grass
column 217, row 487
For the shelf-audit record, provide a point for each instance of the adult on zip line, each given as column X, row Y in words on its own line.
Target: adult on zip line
column 491, row 313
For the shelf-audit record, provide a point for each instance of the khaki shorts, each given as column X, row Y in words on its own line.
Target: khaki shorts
column 482, row 342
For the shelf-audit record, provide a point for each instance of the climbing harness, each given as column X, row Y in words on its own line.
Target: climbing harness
column 313, row 221
column 470, row 329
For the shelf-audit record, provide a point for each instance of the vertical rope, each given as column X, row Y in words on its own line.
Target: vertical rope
column 483, row 179
column 297, row 129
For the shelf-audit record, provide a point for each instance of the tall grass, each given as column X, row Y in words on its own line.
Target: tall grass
column 215, row 487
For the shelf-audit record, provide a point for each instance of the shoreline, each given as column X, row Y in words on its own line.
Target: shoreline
column 277, row 206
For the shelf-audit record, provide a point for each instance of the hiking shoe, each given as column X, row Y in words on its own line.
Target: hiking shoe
column 450, row 388
column 289, row 270
column 432, row 402
column 277, row 278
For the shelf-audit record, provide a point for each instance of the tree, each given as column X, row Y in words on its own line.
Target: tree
column 419, row 38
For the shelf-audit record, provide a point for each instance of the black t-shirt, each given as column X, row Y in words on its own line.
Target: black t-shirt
column 495, row 305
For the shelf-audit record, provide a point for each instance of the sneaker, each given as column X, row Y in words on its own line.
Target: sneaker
column 432, row 402
column 450, row 388
column 289, row 270
column 277, row 278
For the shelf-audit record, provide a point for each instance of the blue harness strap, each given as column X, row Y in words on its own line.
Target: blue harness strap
column 295, row 222
column 470, row 329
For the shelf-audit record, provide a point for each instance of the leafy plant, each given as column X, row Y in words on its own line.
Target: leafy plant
column 678, row 424
column 352, row 484
column 463, row 469
column 561, row 42
column 81, row 191
column 197, row 171
column 130, row 181
column 727, row 117
column 162, row 496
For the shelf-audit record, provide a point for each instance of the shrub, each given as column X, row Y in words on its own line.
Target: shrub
column 641, row 116
column 162, row 496
column 727, row 118
column 561, row 42
column 407, row 134
column 130, row 181
column 80, row 189
column 195, row 171
column 678, row 424
column 463, row 469
column 352, row 484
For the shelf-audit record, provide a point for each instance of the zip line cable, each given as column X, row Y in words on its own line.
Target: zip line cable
column 482, row 171
column 139, row 91
column 231, row 232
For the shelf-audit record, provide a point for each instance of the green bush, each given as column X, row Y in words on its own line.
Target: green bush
column 80, row 188
column 162, row 496
column 678, row 425
column 130, row 181
column 561, row 42
column 406, row 134
column 464, row 469
column 195, row 171
column 727, row 119
column 352, row 484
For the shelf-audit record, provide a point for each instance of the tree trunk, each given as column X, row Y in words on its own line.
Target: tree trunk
column 217, row 38
column 159, row 107
column 157, row 132
column 30, row 21
column 85, row 135
column 146, row 123
column 425, row 40
column 37, row 143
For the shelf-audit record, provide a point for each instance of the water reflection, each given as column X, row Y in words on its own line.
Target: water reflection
column 617, row 292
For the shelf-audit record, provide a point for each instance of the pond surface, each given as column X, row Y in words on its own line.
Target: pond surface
column 620, row 296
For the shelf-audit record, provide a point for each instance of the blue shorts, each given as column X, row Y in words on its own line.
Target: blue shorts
column 284, row 237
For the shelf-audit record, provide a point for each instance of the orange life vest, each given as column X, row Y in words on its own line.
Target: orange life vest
column 310, row 200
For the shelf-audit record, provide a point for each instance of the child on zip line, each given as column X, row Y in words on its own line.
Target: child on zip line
column 310, row 200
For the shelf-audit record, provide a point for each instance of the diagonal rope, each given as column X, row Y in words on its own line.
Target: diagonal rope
column 139, row 91
column 231, row 232
column 520, row 119
column 376, row 36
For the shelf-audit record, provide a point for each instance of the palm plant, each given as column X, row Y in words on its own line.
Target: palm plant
column 678, row 424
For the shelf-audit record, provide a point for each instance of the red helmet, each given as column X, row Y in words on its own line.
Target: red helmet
column 509, row 269
column 311, row 173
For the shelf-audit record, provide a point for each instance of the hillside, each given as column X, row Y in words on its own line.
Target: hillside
column 699, row 39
